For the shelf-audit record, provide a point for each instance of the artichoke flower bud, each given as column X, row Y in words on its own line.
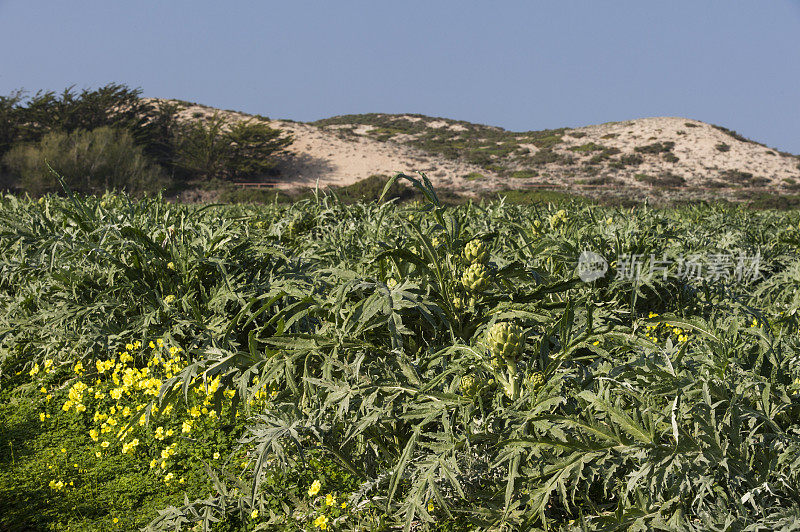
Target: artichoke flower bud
column 506, row 340
column 475, row 252
column 469, row 386
column 558, row 218
column 534, row 381
column 475, row 278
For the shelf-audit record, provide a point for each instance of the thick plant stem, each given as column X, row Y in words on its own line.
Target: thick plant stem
column 513, row 381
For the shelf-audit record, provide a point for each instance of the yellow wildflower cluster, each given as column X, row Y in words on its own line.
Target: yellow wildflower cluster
column 662, row 331
column 116, row 396
column 119, row 392
column 328, row 507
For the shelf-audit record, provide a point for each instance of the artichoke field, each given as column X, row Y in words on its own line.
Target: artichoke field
column 447, row 362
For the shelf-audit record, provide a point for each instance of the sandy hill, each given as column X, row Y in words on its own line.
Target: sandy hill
column 658, row 157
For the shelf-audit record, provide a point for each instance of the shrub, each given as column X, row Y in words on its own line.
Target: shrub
column 370, row 189
column 629, row 159
column 604, row 155
column 666, row 179
column 473, row 176
column 524, row 174
column 655, row 148
column 722, row 147
column 89, row 162
column 588, row 147
column 735, row 135
column 671, row 157
column 737, row 176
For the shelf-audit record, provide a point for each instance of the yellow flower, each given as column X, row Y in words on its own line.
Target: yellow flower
column 35, row 370
column 330, row 500
column 321, row 522
column 41, row 417
column 186, row 427
column 253, row 514
column 216, row 456
column 314, row 489
column 170, row 266
column 98, row 454
column 431, row 507
column 169, row 299
column 116, row 520
column 344, row 505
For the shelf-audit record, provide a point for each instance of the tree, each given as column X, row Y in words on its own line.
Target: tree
column 218, row 148
column 254, row 148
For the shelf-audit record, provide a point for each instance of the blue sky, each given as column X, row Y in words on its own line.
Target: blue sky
column 517, row 64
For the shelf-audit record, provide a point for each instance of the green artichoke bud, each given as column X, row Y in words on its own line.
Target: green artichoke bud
column 558, row 218
column 298, row 225
column 475, row 252
column 475, row 278
column 506, row 340
column 469, row 386
column 534, row 381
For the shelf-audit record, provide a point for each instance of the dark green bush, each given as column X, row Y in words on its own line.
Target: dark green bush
column 370, row 189
column 89, row 161
column 524, row 174
column 655, row 148
column 737, row 176
column 588, row 147
column 665, row 179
